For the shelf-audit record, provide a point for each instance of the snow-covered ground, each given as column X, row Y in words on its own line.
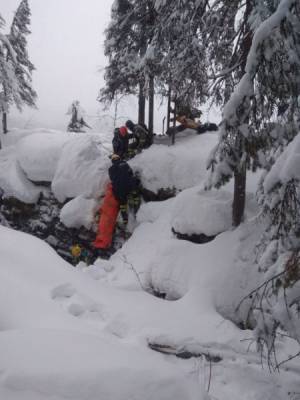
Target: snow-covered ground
column 83, row 333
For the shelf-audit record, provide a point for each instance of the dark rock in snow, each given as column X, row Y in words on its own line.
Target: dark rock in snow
column 199, row 238
column 161, row 195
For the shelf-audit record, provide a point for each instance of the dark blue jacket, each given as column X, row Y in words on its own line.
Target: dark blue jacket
column 122, row 179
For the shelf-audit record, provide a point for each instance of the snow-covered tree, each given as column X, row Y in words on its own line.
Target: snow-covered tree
column 77, row 122
column 9, row 85
column 277, row 301
column 260, row 122
column 17, row 84
column 120, row 74
column 180, row 51
column 127, row 40
column 24, row 68
column 261, row 112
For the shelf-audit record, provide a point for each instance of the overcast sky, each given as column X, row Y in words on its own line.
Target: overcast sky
column 66, row 47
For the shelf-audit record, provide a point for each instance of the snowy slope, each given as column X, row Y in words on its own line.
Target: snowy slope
column 83, row 332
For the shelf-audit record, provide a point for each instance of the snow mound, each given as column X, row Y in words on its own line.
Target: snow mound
column 196, row 211
column 38, row 154
column 14, row 182
column 180, row 166
column 16, row 134
column 81, row 170
column 78, row 212
column 60, row 365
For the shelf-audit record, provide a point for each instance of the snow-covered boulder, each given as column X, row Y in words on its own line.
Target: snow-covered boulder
column 38, row 154
column 180, row 166
column 81, row 170
column 14, row 182
column 79, row 212
column 196, row 211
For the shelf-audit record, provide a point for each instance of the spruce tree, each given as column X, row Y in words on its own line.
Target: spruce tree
column 17, row 85
column 120, row 73
column 127, row 45
column 9, row 85
column 179, row 47
column 18, row 40
column 258, row 98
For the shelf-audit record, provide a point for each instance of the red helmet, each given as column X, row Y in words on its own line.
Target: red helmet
column 123, row 131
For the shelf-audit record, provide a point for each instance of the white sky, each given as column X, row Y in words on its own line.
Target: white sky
column 66, row 47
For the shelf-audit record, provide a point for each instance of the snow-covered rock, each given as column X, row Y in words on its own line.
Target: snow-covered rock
column 180, row 166
column 38, row 154
column 13, row 180
column 79, row 212
column 197, row 211
column 81, row 170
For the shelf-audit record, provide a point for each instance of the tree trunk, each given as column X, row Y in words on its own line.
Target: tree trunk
column 151, row 105
column 238, row 205
column 239, row 199
column 169, row 109
column 4, row 122
column 142, row 104
column 174, row 124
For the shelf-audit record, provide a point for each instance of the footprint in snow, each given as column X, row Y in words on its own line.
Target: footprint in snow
column 63, row 291
column 77, row 305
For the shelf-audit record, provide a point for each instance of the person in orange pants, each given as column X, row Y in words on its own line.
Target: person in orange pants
column 123, row 182
column 108, row 216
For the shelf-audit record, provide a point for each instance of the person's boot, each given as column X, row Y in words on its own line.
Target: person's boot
column 104, row 254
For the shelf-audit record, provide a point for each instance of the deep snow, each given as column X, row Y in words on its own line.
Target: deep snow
column 83, row 332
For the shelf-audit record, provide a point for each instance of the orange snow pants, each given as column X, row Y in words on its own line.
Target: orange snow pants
column 108, row 216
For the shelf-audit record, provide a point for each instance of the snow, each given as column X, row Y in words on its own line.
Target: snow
column 208, row 212
column 79, row 212
column 38, row 155
column 13, row 180
column 286, row 167
column 81, row 170
column 83, row 332
column 180, row 166
column 75, row 164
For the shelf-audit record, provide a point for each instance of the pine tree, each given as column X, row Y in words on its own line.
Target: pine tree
column 120, row 74
column 17, row 86
column 260, row 122
column 180, row 49
column 127, row 43
column 24, row 68
column 258, row 98
column 9, row 85
column 277, row 301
